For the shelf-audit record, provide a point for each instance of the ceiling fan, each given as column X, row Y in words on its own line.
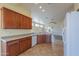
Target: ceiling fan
column 52, row 22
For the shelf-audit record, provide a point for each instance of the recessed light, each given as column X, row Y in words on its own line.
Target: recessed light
column 43, row 10
column 40, row 7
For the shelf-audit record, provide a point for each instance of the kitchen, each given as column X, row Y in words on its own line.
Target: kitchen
column 16, row 30
column 37, row 26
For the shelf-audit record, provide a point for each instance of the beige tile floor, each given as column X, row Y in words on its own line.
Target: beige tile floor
column 45, row 50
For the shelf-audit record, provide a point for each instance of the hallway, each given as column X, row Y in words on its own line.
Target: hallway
column 45, row 50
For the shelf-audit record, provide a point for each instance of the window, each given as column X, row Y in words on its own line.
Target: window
column 37, row 25
column 41, row 26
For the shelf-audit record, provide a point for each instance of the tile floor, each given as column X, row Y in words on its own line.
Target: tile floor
column 45, row 50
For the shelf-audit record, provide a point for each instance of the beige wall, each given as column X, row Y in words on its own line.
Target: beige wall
column 76, row 6
column 17, row 7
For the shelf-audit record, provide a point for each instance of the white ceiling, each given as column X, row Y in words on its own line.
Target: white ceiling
column 53, row 11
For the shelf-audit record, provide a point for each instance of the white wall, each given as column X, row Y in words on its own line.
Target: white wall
column 37, row 29
column 57, row 28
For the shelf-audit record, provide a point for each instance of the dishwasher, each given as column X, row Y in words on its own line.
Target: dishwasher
column 34, row 40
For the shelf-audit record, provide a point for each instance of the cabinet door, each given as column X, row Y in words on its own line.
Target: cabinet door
column 41, row 39
column 18, row 18
column 12, row 48
column 29, row 42
column 26, row 22
column 48, row 38
column 23, row 44
column 23, row 22
column 14, row 20
column 29, row 23
column 9, row 19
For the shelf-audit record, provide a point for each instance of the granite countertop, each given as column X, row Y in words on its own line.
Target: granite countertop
column 14, row 37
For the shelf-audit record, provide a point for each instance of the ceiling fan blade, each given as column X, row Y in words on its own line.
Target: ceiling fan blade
column 53, row 22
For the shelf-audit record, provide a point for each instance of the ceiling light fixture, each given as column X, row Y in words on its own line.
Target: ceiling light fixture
column 43, row 10
column 40, row 7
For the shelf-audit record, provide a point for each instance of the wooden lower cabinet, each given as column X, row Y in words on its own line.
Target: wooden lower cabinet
column 48, row 38
column 15, row 47
column 12, row 48
column 41, row 39
column 25, row 43
column 29, row 42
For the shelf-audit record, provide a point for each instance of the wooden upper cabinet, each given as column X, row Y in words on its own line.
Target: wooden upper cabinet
column 14, row 20
column 9, row 19
column 19, row 17
column 30, row 23
column 24, row 22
